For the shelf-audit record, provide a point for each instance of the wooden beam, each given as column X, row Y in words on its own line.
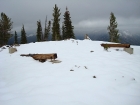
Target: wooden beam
column 116, row 45
column 41, row 57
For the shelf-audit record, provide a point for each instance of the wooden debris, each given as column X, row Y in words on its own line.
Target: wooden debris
column 85, row 67
column 41, row 57
column 94, row 76
column 71, row 70
column 116, row 45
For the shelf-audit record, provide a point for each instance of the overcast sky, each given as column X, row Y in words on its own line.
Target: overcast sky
column 86, row 15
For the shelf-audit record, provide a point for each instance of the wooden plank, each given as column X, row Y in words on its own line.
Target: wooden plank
column 116, row 45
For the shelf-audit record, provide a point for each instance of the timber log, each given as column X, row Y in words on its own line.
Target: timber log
column 41, row 57
column 116, row 45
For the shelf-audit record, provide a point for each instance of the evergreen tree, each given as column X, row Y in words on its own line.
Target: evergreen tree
column 47, row 29
column 56, row 26
column 63, row 32
column 113, row 32
column 16, row 41
column 68, row 28
column 23, row 36
column 39, row 34
column 5, row 28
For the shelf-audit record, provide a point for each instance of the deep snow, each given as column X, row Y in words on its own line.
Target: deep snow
column 24, row 81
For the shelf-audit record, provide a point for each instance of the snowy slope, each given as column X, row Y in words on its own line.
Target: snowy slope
column 24, row 81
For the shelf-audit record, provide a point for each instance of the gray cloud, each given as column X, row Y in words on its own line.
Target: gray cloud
column 85, row 14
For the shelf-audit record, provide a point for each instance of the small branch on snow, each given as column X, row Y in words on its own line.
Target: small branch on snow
column 85, row 67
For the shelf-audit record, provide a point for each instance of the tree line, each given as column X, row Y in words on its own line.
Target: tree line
column 43, row 35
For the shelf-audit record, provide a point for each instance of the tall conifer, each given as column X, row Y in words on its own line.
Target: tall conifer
column 39, row 34
column 112, row 29
column 16, row 41
column 63, row 32
column 56, row 25
column 68, row 28
column 47, row 29
column 23, row 36
column 5, row 28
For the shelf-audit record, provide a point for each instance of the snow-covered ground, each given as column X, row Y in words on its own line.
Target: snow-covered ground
column 24, row 81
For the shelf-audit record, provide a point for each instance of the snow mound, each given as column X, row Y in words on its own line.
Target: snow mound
column 82, row 78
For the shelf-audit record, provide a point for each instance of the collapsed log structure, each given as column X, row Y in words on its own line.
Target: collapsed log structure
column 41, row 57
column 116, row 45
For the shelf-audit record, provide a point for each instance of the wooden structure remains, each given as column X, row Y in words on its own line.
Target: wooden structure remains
column 41, row 57
column 116, row 45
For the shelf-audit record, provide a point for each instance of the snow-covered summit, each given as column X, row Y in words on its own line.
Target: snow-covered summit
column 87, row 75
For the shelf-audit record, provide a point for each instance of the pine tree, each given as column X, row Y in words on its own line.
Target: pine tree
column 68, row 28
column 56, row 26
column 23, row 36
column 5, row 28
column 16, row 41
column 39, row 34
column 63, row 32
column 47, row 29
column 113, row 32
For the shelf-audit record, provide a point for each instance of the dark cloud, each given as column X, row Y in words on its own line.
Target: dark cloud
column 85, row 14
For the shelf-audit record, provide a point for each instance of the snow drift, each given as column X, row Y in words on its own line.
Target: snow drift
column 87, row 75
